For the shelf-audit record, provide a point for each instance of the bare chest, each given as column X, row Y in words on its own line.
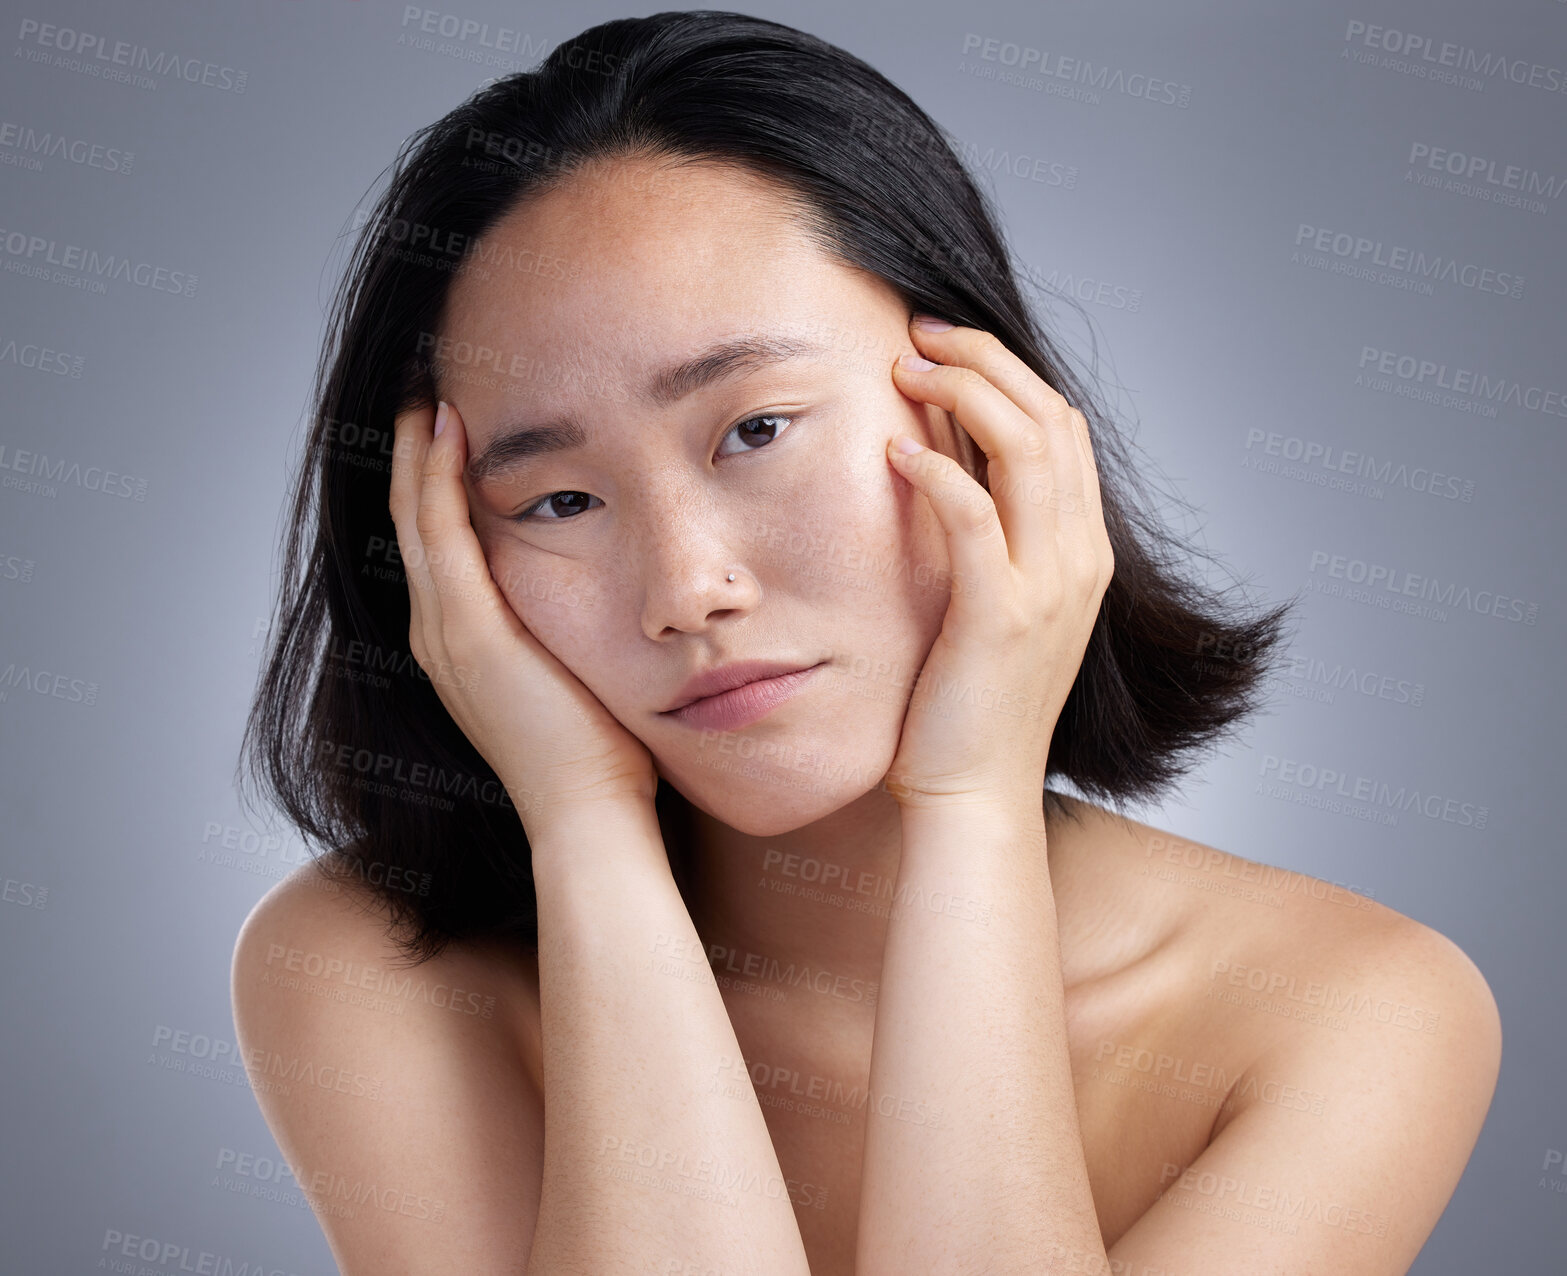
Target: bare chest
column 1149, row 1080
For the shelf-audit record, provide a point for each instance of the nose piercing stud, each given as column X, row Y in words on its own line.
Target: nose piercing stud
column 731, row 575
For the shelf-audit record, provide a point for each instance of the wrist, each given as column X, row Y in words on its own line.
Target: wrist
column 580, row 836
column 977, row 828
column 541, row 809
column 1023, row 810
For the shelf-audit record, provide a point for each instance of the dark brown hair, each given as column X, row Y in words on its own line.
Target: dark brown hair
column 347, row 735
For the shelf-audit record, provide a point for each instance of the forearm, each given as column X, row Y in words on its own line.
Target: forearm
column 647, row 1154
column 971, row 1019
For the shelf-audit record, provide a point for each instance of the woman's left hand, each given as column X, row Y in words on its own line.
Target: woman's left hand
column 1030, row 559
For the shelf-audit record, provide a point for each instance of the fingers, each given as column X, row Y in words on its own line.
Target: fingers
column 1041, row 459
column 411, row 440
column 976, row 541
column 449, row 587
column 987, row 355
column 443, row 504
column 1015, row 445
column 1063, row 428
column 457, row 567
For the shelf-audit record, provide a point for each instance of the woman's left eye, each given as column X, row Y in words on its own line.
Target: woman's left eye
column 766, row 425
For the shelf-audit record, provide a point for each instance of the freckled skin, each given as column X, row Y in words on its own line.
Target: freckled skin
column 631, row 597
column 835, row 556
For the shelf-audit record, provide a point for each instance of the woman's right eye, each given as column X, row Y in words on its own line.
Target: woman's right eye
column 549, row 502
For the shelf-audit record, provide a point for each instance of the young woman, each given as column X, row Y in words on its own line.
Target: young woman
column 692, row 738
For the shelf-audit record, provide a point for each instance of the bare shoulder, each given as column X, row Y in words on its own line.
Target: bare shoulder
column 399, row 1094
column 293, row 926
column 1359, row 1050
column 1204, row 900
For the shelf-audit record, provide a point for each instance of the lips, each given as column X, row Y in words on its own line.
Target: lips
column 727, row 677
column 745, row 705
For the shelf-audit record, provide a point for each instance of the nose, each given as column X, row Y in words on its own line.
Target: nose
column 687, row 590
column 687, row 560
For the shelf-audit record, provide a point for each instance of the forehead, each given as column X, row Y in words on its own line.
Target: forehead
column 629, row 263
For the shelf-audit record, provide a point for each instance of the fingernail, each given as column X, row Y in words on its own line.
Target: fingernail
column 931, row 324
column 914, row 363
column 440, row 419
column 907, row 446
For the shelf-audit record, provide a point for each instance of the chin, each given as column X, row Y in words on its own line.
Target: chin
column 759, row 807
column 759, row 797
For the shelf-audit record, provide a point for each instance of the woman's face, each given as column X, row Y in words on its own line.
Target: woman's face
column 615, row 552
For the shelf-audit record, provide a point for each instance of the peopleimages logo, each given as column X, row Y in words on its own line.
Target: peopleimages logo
column 98, row 56
column 39, row 465
column 42, row 359
column 1434, row 375
column 1374, row 792
column 1331, row 676
column 283, row 961
column 451, row 26
column 1241, row 1199
column 1362, row 251
column 119, row 1247
column 40, row 682
column 1484, row 170
column 1437, row 60
column 385, row 768
column 33, row 254
column 28, row 142
column 1314, row 455
column 1036, row 67
column 1345, row 1003
column 1385, row 580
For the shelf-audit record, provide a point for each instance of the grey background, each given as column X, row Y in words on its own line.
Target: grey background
column 1178, row 225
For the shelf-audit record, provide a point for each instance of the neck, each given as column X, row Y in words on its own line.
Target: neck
column 815, row 897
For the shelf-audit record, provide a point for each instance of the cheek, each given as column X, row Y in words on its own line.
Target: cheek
column 558, row 604
column 853, row 533
column 864, row 550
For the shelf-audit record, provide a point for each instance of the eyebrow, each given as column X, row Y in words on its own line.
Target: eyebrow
column 518, row 442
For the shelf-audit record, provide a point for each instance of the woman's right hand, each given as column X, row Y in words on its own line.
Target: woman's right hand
column 549, row 739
